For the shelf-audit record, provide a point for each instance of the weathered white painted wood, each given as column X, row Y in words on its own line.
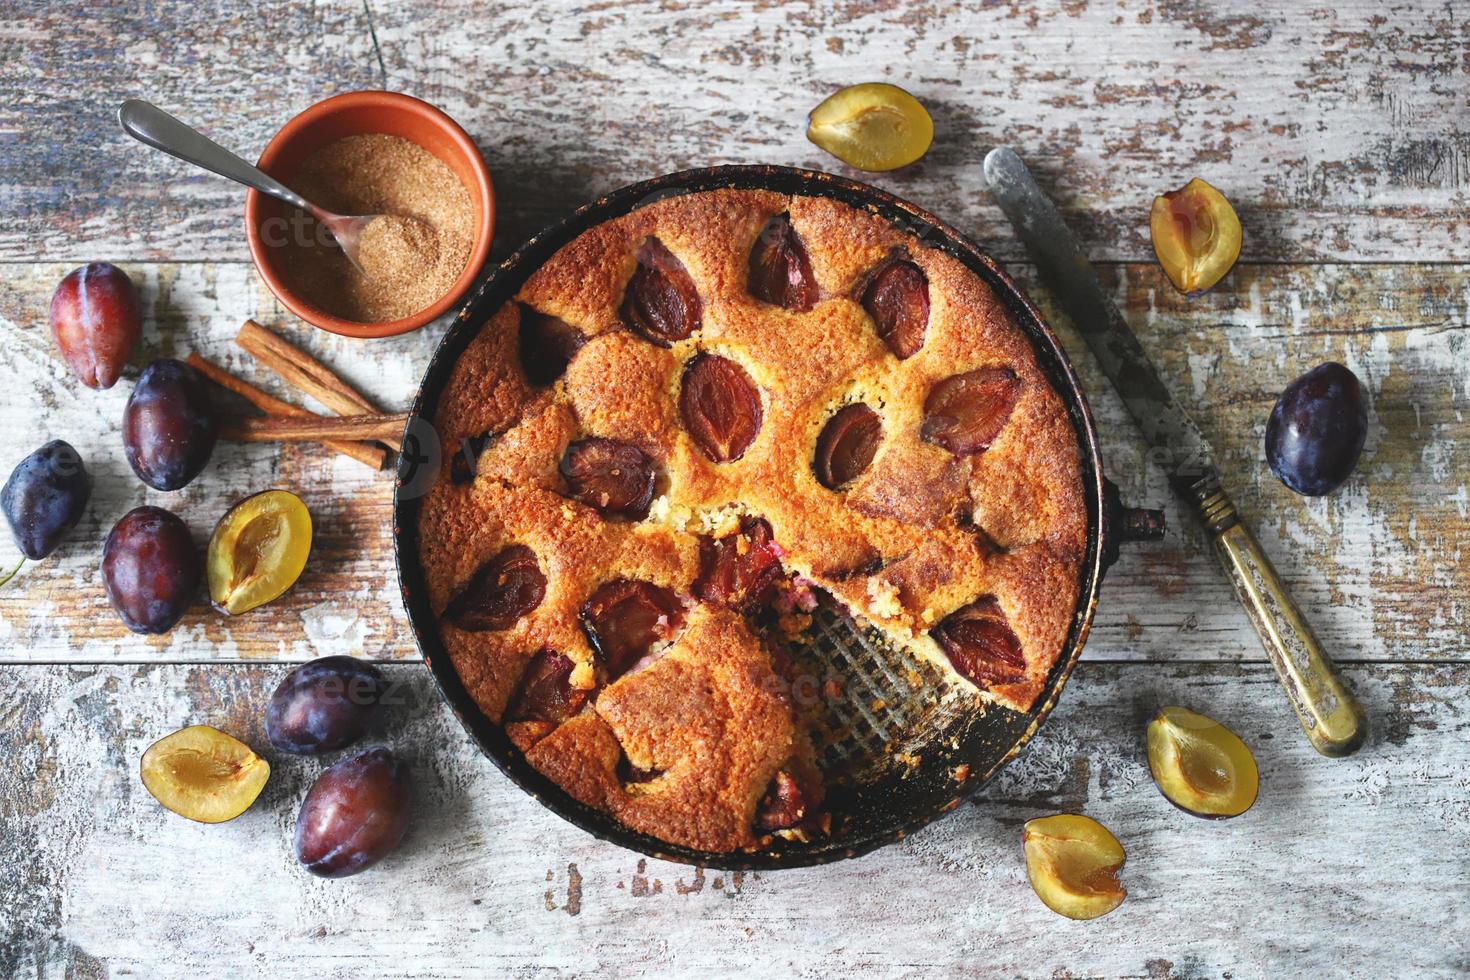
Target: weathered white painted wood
column 346, row 599
column 1340, row 133
column 1339, row 129
column 1379, row 566
column 1354, row 867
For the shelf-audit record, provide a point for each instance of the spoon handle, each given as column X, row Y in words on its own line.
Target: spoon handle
column 149, row 124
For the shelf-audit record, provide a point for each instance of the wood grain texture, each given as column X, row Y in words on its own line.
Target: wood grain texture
column 1346, row 868
column 347, row 599
column 1342, row 134
column 1379, row 567
column 1339, row 130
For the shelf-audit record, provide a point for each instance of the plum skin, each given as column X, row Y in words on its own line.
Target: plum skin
column 168, row 425
column 45, row 497
column 1317, row 429
column 354, row 815
column 324, row 705
column 151, row 569
column 96, row 320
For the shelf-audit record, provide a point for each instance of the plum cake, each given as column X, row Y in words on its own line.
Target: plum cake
column 691, row 424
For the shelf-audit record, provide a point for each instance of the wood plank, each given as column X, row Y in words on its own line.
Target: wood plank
column 77, row 187
column 347, row 600
column 1351, row 867
column 1380, row 566
column 1339, row 130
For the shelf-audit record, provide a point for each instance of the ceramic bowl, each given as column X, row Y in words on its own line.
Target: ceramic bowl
column 358, row 113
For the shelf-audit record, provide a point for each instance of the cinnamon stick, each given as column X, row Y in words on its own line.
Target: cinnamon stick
column 381, row 428
column 362, row 452
column 304, row 372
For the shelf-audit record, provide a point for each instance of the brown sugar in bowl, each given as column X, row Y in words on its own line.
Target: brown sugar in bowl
column 354, row 114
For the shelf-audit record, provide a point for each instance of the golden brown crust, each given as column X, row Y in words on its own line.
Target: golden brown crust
column 921, row 533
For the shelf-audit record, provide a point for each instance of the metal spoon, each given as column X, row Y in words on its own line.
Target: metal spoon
column 149, row 124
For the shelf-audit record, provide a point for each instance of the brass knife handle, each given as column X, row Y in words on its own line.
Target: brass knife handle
column 1328, row 711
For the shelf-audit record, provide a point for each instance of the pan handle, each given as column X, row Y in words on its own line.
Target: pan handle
column 1126, row 523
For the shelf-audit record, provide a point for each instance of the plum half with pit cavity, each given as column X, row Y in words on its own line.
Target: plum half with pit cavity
column 1073, row 864
column 258, row 551
column 201, row 773
column 873, row 126
column 1201, row 766
column 1196, row 236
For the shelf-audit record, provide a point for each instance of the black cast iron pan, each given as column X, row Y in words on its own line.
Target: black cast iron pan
column 903, row 744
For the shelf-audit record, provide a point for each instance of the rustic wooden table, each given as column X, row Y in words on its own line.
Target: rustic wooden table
column 1342, row 133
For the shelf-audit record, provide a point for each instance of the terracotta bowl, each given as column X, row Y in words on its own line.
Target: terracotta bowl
column 352, row 114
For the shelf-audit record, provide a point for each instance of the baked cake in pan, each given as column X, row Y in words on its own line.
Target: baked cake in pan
column 690, row 425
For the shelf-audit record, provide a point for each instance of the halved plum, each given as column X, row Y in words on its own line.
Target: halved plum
column 980, row 644
column 547, row 345
column 612, row 477
column 780, row 270
column 741, row 570
column 661, row 304
column 720, row 406
column 625, row 618
column 202, row 773
column 847, row 445
column 466, row 461
column 508, row 586
column 964, row 413
column 873, row 126
column 1196, row 236
column 632, row 776
column 1201, row 766
column 545, row 692
column 897, row 298
column 258, row 551
column 1073, row 864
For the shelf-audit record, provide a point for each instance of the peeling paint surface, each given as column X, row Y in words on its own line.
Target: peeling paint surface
column 1380, row 566
column 1341, row 133
column 1370, row 851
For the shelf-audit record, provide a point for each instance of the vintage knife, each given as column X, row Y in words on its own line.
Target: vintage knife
column 1328, row 711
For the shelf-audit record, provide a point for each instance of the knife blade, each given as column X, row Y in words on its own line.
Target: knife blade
column 1326, row 708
